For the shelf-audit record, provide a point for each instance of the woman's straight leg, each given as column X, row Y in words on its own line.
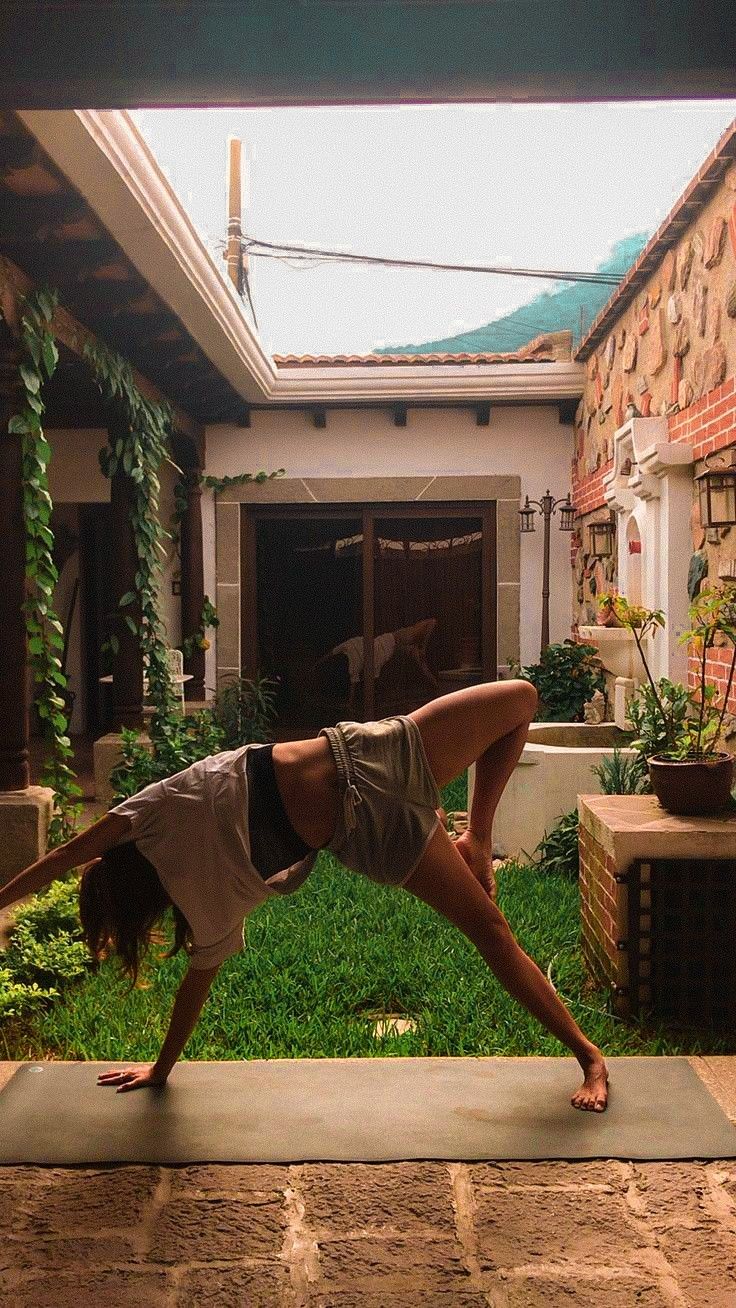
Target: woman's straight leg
column 445, row 882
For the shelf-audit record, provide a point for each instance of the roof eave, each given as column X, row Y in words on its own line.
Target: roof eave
column 522, row 382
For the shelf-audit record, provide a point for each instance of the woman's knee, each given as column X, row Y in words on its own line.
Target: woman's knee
column 527, row 697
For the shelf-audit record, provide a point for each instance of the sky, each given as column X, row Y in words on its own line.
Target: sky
column 537, row 186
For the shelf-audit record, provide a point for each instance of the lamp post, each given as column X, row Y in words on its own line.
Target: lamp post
column 547, row 506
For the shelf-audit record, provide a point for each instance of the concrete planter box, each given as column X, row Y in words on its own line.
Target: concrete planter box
column 555, row 767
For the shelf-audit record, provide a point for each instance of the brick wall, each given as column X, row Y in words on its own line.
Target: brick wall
column 710, row 423
column 602, row 915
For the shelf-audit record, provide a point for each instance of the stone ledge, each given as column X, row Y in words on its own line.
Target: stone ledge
column 636, row 826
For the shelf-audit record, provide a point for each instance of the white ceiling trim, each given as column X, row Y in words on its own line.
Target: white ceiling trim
column 104, row 156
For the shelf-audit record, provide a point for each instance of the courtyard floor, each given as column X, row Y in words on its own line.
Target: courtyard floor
column 602, row 1234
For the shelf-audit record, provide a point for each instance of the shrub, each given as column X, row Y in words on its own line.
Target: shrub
column 45, row 950
column 566, row 677
column 558, row 849
column 245, row 710
column 622, row 774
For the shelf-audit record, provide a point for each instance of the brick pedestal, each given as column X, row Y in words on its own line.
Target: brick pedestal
column 615, row 830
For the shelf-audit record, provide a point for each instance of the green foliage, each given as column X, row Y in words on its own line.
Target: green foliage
column 689, row 721
column 199, row 640
column 138, row 446
column 622, row 774
column 45, row 950
column 241, row 479
column 566, row 677
column 182, row 739
column 44, row 630
column 558, row 849
column 245, row 710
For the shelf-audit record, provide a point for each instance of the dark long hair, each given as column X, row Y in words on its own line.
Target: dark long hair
column 121, row 899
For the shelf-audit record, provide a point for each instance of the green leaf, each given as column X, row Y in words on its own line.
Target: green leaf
column 18, row 424
column 31, row 379
column 128, row 598
column 50, row 355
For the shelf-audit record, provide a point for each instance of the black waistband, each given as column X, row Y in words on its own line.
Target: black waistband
column 274, row 844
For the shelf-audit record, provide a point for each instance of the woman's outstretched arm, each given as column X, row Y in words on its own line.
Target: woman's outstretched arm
column 92, row 843
column 188, row 1005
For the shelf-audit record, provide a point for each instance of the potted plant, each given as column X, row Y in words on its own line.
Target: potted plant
column 689, row 775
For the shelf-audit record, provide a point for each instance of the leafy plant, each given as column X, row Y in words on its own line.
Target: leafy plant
column 658, row 718
column 44, row 630
column 245, row 710
column 566, row 677
column 199, row 640
column 622, row 774
column 187, row 739
column 690, row 721
column 558, row 849
column 45, row 950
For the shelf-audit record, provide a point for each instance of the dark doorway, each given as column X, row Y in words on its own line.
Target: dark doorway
column 370, row 612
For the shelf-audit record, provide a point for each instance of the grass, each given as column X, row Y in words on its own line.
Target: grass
column 319, row 961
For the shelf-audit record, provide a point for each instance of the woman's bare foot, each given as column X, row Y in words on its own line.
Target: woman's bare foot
column 478, row 860
column 593, row 1093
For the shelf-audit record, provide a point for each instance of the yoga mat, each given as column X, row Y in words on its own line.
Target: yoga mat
column 360, row 1110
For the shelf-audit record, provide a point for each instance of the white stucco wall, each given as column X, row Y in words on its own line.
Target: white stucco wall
column 526, row 441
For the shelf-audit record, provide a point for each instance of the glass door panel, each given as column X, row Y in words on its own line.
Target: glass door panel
column 310, row 584
column 427, row 608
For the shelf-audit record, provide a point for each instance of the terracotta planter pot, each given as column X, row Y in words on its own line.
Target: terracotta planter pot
column 692, row 788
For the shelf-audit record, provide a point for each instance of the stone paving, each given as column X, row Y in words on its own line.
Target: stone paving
column 601, row 1234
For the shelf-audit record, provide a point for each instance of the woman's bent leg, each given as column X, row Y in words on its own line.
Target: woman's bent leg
column 486, row 725
column 443, row 880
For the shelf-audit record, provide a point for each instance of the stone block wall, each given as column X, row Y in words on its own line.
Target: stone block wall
column 665, row 346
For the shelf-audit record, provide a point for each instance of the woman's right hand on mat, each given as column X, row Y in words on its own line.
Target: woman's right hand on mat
column 133, row 1078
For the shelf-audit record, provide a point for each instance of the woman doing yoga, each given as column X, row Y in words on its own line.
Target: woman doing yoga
column 220, row 837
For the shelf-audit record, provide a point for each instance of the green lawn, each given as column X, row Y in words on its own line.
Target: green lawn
column 319, row 960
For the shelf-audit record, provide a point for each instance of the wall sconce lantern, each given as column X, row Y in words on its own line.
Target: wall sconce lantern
column 567, row 516
column 527, row 516
column 717, row 492
column 601, row 538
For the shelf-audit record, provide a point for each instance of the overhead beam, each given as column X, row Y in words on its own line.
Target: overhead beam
column 483, row 415
column 75, row 337
column 64, row 53
column 401, row 415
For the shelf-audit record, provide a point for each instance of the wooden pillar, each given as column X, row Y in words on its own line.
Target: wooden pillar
column 127, row 664
column 192, row 584
column 14, row 681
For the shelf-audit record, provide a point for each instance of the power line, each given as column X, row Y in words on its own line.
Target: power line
column 296, row 254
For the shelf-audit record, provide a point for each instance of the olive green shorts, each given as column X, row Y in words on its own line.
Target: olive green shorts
column 389, row 798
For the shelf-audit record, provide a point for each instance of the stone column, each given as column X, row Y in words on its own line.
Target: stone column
column 14, row 770
column 127, row 670
column 192, row 584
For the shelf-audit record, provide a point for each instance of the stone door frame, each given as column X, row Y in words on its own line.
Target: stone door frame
column 376, row 491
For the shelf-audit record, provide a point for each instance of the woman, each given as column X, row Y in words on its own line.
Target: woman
column 220, row 837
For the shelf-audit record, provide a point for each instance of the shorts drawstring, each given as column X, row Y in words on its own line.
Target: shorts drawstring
column 351, row 795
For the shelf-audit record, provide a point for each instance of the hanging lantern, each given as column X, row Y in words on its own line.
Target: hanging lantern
column 601, row 538
column 567, row 516
column 717, row 493
column 527, row 516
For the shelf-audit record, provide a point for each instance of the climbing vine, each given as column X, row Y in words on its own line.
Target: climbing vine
column 138, row 446
column 44, row 630
column 182, row 488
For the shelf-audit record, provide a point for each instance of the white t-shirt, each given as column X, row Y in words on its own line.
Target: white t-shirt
column 193, row 828
column 354, row 649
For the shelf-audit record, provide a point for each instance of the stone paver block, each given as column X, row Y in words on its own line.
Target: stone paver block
column 545, row 1292
column 32, row 1253
column 217, row 1230
column 124, row 1288
column 605, row 1172
column 247, row 1180
column 406, row 1197
column 704, row 1263
column 87, row 1203
column 234, row 1287
column 515, row 1229
column 402, row 1299
column 390, row 1264
column 674, row 1194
